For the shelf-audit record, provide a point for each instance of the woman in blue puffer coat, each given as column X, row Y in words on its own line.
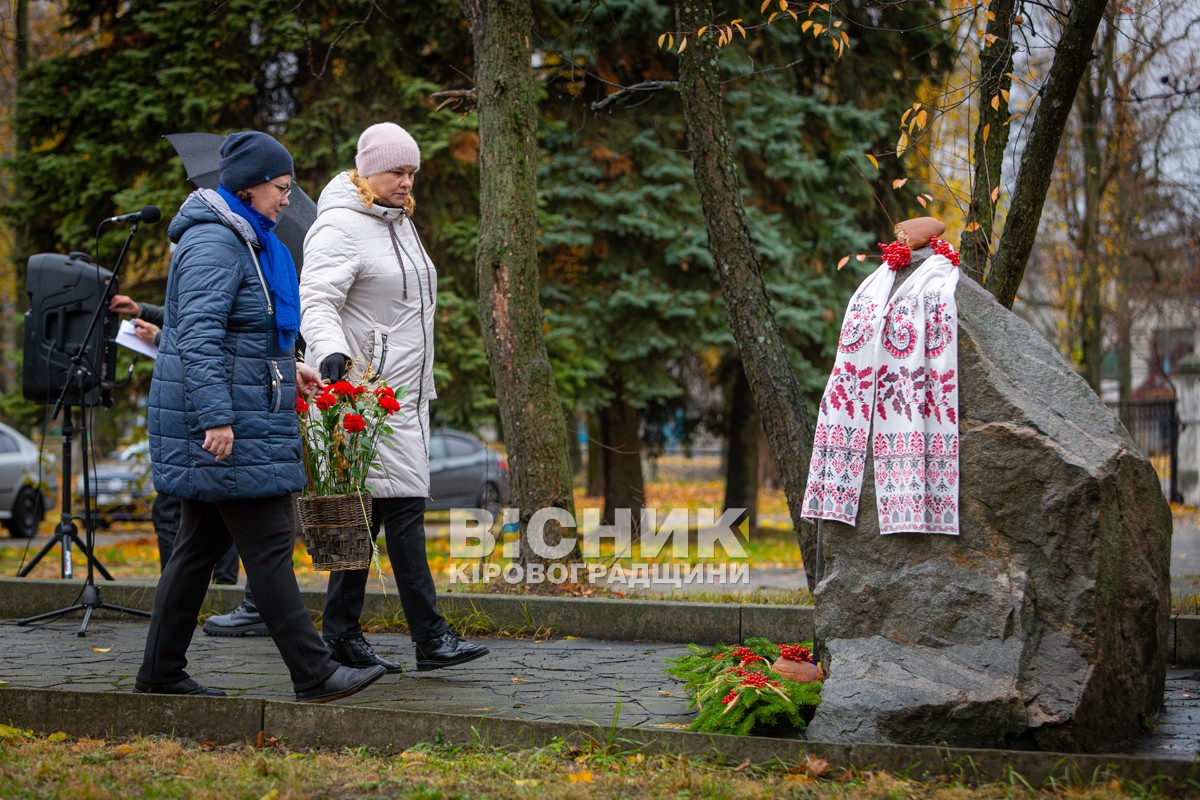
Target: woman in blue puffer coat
column 224, row 437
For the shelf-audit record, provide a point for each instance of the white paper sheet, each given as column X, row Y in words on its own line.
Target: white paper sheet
column 127, row 337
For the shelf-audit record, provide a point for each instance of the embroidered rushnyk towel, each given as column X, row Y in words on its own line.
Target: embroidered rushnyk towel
column 895, row 385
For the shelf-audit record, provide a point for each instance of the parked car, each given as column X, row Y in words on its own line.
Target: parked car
column 22, row 502
column 464, row 473
column 120, row 485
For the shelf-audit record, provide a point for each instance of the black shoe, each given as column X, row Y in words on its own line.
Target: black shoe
column 343, row 683
column 356, row 651
column 185, row 686
column 446, row 651
column 242, row 621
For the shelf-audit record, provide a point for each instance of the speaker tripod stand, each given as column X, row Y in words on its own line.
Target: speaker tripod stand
column 66, row 535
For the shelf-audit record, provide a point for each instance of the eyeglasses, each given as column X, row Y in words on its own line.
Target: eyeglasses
column 284, row 191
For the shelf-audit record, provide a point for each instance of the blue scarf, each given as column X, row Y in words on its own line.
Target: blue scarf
column 278, row 268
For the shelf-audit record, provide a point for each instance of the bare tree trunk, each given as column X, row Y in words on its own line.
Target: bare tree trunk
column 773, row 384
column 506, row 266
column 1091, row 279
column 741, row 459
column 624, row 484
column 19, row 255
column 595, row 465
column 1071, row 58
column 991, row 139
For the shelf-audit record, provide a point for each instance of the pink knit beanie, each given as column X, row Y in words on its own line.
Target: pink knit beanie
column 386, row 146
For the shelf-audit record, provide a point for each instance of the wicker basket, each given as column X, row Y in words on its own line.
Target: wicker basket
column 337, row 532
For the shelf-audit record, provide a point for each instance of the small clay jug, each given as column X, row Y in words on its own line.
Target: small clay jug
column 798, row 671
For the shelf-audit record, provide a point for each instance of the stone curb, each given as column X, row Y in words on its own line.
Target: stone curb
column 593, row 618
column 232, row 720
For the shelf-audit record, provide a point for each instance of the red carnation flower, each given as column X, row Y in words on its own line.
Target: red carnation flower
column 385, row 391
column 389, row 404
column 341, row 388
column 326, row 401
column 354, row 423
column 301, row 406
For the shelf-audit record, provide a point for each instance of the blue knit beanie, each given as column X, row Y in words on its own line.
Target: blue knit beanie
column 249, row 158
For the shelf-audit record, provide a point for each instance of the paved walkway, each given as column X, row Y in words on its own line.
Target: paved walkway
column 560, row 680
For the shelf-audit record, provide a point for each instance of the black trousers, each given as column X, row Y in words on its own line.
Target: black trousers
column 165, row 513
column 403, row 520
column 264, row 532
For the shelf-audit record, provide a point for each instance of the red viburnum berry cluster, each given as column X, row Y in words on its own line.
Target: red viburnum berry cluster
column 795, row 652
column 943, row 248
column 729, row 698
column 896, row 255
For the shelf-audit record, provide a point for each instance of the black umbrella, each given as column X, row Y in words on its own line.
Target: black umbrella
column 201, row 157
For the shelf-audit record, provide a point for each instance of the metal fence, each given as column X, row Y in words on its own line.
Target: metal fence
column 1154, row 425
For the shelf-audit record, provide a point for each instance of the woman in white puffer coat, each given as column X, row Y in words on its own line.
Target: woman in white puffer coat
column 368, row 294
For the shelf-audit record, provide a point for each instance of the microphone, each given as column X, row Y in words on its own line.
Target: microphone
column 148, row 214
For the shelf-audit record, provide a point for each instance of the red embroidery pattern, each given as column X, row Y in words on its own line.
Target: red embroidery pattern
column 849, row 389
column 927, row 392
column 858, row 329
column 916, row 482
column 899, row 333
column 839, row 457
column 939, row 326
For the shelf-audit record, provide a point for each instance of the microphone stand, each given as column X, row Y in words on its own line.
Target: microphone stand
column 66, row 532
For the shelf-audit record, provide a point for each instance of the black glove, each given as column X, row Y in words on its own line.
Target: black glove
column 333, row 368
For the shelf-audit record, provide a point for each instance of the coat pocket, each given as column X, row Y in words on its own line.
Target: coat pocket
column 274, row 386
column 375, row 353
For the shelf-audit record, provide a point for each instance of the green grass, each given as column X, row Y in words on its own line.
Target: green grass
column 58, row 766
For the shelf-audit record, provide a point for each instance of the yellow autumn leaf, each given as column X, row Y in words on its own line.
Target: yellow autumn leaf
column 971, row 227
column 804, row 26
column 530, row 781
column 817, row 28
column 774, row 14
column 861, row 257
column 580, row 777
column 700, row 32
column 902, row 144
column 995, row 193
column 921, row 200
column 125, row 749
column 987, row 128
column 763, row 10
column 922, row 118
column 57, row 736
column 991, row 16
column 683, row 45
column 995, row 99
column 843, row 261
column 898, row 182
column 741, row 29
column 1018, row 20
column 101, row 649
column 872, row 159
column 1004, row 94
column 662, row 39
column 816, row 767
column 1014, row 116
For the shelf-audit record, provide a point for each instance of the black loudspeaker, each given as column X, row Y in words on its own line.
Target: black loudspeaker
column 65, row 293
